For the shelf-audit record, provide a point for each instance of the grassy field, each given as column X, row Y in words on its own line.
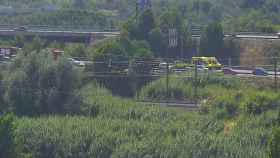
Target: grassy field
column 110, row 126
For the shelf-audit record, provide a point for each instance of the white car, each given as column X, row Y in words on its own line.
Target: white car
column 202, row 68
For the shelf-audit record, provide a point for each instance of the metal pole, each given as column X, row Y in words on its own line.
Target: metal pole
column 182, row 47
column 195, row 83
column 275, row 76
column 167, row 77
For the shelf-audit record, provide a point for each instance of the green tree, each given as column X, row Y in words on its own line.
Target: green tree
column 39, row 85
column 19, row 41
column 109, row 48
column 141, row 49
column 275, row 144
column 36, row 44
column 212, row 41
column 156, row 41
column 7, row 146
column 146, row 24
column 76, row 50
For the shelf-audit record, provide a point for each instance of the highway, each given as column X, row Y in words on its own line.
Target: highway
column 51, row 30
column 86, row 36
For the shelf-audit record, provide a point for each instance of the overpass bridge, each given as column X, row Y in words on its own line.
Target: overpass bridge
column 62, row 35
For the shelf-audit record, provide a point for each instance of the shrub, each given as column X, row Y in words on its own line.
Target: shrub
column 275, row 144
column 7, row 146
column 226, row 106
column 37, row 84
column 258, row 102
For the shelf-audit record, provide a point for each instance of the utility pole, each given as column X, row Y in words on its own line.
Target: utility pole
column 182, row 46
column 167, row 77
column 275, row 75
column 195, row 83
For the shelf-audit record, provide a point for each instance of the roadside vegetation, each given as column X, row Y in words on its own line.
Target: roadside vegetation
column 226, row 97
column 240, row 15
column 50, row 109
column 103, row 125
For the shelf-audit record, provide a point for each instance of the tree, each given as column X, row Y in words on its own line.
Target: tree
column 146, row 24
column 19, row 41
column 37, row 84
column 35, row 45
column 215, row 14
column 7, row 146
column 156, row 42
column 212, row 41
column 76, row 50
column 108, row 49
column 275, row 144
column 141, row 49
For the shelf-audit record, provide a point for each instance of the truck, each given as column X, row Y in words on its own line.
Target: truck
column 210, row 63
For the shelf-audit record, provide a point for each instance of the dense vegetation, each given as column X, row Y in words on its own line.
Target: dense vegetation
column 240, row 15
column 58, row 113
column 121, row 128
column 109, row 126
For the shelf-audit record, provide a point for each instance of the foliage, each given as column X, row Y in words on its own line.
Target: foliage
column 212, row 41
column 7, row 144
column 37, row 84
column 258, row 102
column 155, row 32
column 223, row 97
column 275, row 143
column 148, row 133
column 146, row 24
column 76, row 50
column 108, row 49
column 239, row 15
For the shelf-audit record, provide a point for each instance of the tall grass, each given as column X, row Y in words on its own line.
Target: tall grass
column 188, row 136
column 115, row 127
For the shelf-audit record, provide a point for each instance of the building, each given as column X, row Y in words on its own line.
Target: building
column 6, row 51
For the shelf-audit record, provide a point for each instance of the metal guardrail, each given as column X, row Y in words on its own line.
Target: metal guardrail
column 62, row 28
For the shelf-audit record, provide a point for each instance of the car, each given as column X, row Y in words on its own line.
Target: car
column 229, row 71
column 260, row 72
column 202, row 68
column 20, row 28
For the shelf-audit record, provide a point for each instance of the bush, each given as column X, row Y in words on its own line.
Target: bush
column 258, row 102
column 37, row 84
column 226, row 106
column 275, row 144
column 7, row 146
